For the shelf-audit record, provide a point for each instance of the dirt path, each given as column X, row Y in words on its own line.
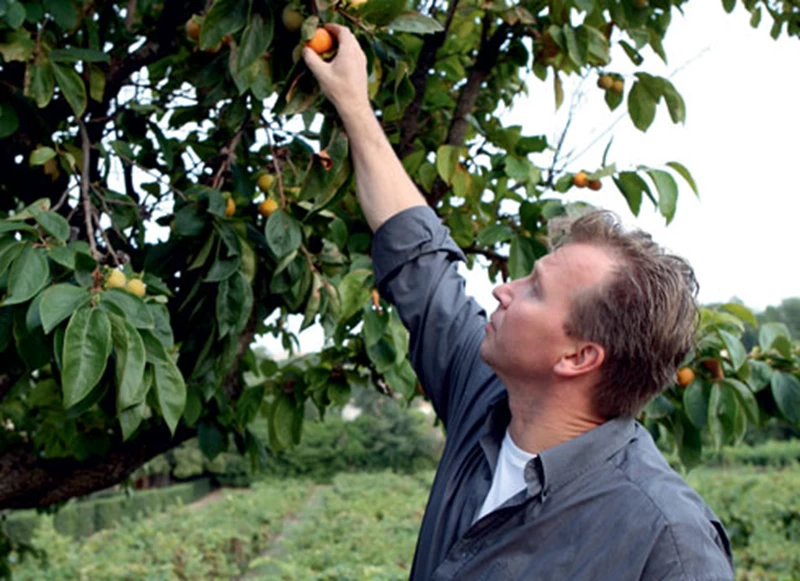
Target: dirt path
column 207, row 499
column 262, row 566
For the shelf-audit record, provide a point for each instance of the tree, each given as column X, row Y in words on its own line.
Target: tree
column 134, row 138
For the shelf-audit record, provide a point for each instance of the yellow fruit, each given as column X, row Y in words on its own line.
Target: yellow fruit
column 356, row 3
column 581, row 179
column 595, row 185
column 618, row 86
column 193, row 29
column 230, row 207
column 605, row 82
column 292, row 19
column 266, row 207
column 321, row 42
column 265, row 182
column 116, row 279
column 136, row 287
column 685, row 376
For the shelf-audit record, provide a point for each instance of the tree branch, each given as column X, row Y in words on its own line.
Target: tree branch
column 409, row 126
column 29, row 481
column 484, row 62
column 87, row 202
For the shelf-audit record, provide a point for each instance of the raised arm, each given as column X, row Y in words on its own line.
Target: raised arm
column 384, row 188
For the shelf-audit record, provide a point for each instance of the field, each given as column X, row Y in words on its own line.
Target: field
column 363, row 527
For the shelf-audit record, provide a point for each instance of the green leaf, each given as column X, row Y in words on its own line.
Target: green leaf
column 255, row 40
column 402, row 379
column 745, row 397
column 314, row 302
column 495, row 234
column 728, row 5
column 667, row 192
column 54, row 224
column 9, row 122
column 684, row 173
column 558, row 90
column 62, row 255
column 234, row 304
column 131, row 418
column 631, row 185
column 59, row 302
column 689, row 442
column 736, row 350
column 375, row 325
column 641, row 106
column 382, row 12
column 284, row 420
column 211, row 439
column 521, row 258
column 722, row 406
column 223, row 268
column 72, row 87
column 170, row 391
column 130, row 363
column 741, row 312
column 382, row 354
column 283, row 233
column 769, row 333
column 633, row 54
column 9, row 251
column 15, row 14
column 29, row 274
column 64, row 13
column 87, row 343
column 695, row 403
column 447, row 157
column 41, row 155
column 354, row 292
column 76, row 55
column 40, row 82
column 760, row 375
column 786, row 391
column 613, row 99
column 225, row 17
column 675, row 103
column 130, row 306
column 415, row 23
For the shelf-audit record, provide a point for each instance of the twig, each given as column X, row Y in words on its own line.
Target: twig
column 275, row 165
column 87, row 203
column 62, row 199
column 105, row 238
column 230, row 152
column 131, row 15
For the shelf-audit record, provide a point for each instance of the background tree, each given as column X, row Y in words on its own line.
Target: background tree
column 138, row 140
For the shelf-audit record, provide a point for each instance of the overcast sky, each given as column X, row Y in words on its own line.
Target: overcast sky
column 740, row 142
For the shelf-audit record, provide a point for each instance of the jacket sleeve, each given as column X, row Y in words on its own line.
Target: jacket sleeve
column 415, row 263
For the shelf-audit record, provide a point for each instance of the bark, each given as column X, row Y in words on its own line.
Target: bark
column 29, row 481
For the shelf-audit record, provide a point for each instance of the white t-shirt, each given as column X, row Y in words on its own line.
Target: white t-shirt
column 509, row 476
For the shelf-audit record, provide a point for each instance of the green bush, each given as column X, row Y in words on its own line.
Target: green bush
column 761, row 512
column 776, row 454
column 215, row 541
column 83, row 518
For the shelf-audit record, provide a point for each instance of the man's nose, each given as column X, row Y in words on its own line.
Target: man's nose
column 503, row 294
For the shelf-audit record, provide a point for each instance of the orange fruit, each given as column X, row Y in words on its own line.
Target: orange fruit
column 618, row 86
column 266, row 207
column 581, row 179
column 116, row 279
column 136, row 287
column 193, row 29
column 595, row 185
column 321, row 42
column 230, row 207
column 605, row 82
column 685, row 376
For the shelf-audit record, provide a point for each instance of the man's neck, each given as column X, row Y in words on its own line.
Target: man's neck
column 543, row 420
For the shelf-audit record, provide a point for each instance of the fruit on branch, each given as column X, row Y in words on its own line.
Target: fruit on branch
column 266, row 207
column 595, row 185
column 685, row 376
column 292, row 18
column 136, row 287
column 230, row 207
column 581, row 179
column 605, row 82
column 116, row 279
column 193, row 29
column 322, row 41
column 265, row 182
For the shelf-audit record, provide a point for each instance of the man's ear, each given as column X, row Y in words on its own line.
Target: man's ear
column 585, row 358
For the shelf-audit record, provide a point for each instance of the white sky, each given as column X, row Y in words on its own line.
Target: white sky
column 740, row 142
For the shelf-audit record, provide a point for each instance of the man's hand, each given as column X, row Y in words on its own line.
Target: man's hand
column 344, row 79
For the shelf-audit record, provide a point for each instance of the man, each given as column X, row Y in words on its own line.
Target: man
column 545, row 474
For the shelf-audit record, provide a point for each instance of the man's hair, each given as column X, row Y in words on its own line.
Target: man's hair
column 644, row 315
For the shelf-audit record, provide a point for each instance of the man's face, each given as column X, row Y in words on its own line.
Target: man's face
column 526, row 337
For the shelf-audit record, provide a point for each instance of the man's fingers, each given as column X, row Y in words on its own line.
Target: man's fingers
column 316, row 64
